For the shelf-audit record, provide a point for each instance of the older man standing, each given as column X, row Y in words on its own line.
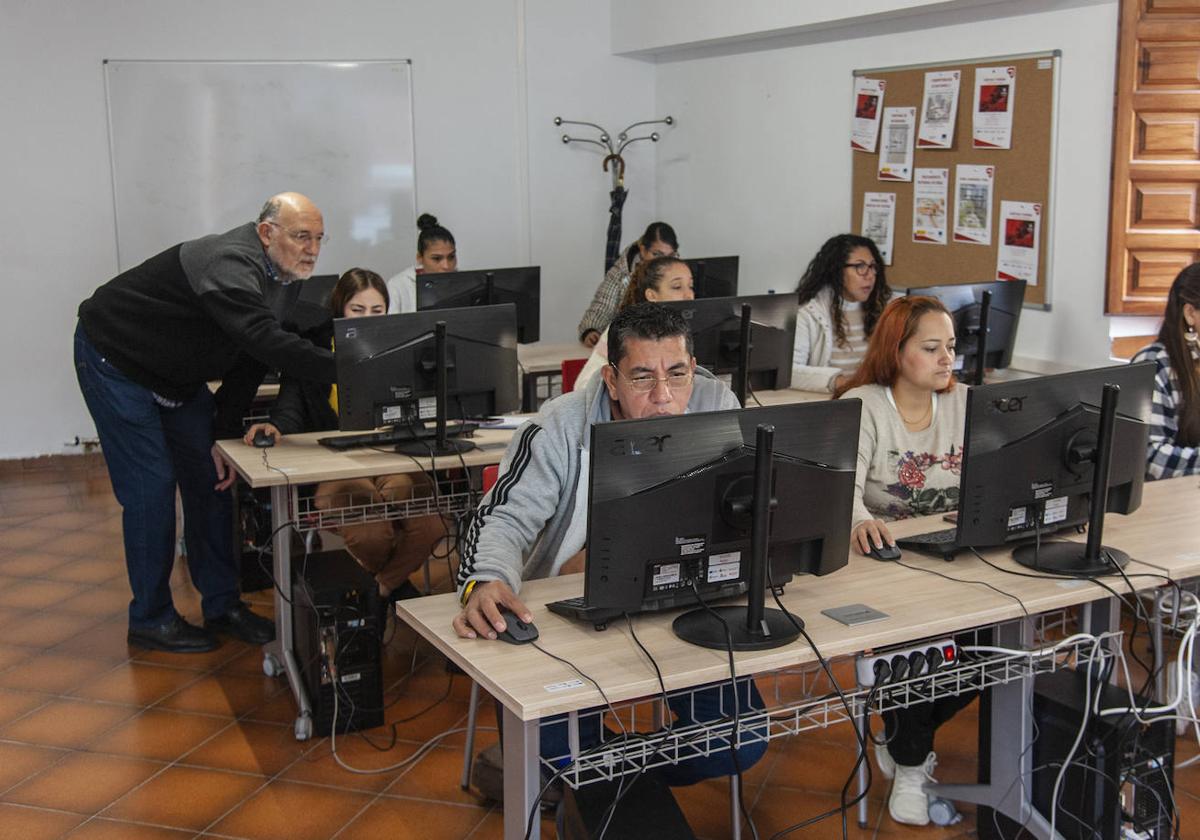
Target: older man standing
column 146, row 344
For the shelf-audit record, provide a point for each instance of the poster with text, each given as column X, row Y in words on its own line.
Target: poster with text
column 896, row 152
column 995, row 92
column 879, row 221
column 931, row 188
column 973, row 189
column 939, row 110
column 1020, row 230
column 868, row 109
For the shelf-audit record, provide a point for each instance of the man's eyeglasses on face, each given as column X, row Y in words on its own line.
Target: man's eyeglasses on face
column 644, row 384
column 304, row 237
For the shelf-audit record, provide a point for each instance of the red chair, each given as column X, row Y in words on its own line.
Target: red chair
column 490, row 473
column 570, row 372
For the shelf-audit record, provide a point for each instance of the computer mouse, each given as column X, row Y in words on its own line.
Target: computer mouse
column 888, row 552
column 516, row 632
column 262, row 440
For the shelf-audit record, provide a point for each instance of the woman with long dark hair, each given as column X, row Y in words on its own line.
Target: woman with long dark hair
column 841, row 295
column 1174, row 447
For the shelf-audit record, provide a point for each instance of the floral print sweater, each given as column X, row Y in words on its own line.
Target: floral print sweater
column 902, row 473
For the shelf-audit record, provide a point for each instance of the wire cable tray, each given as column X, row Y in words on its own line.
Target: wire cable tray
column 455, row 496
column 643, row 751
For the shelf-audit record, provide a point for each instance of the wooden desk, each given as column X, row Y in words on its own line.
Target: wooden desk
column 299, row 460
column 529, row 684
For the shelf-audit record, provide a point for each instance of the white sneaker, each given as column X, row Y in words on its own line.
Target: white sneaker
column 908, row 802
column 883, row 758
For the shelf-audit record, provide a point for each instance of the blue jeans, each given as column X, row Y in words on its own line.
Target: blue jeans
column 150, row 450
column 710, row 703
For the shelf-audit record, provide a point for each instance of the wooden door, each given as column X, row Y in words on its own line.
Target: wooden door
column 1154, row 229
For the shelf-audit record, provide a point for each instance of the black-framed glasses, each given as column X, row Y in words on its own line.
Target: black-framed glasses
column 304, row 237
column 862, row 269
column 645, row 384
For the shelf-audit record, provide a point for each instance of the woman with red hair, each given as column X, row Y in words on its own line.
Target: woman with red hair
column 909, row 459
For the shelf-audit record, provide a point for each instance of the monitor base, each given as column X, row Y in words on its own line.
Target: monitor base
column 429, row 447
column 701, row 627
column 1068, row 558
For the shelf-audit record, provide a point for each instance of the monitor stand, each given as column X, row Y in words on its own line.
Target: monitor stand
column 1091, row 559
column 443, row 441
column 749, row 627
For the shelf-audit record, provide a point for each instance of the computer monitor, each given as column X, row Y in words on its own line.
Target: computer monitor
column 1035, row 458
column 387, row 366
column 670, row 502
column 714, row 276
column 716, row 336
column 457, row 289
column 1002, row 316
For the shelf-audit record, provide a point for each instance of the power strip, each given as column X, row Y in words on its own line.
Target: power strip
column 905, row 663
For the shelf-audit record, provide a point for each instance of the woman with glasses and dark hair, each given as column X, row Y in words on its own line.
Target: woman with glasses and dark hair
column 841, row 295
column 437, row 253
column 1174, row 447
column 658, row 241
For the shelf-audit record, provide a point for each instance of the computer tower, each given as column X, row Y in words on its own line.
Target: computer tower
column 335, row 612
column 1121, row 779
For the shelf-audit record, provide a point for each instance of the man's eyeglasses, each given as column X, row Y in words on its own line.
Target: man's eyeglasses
column 644, row 384
column 304, row 237
column 862, row 269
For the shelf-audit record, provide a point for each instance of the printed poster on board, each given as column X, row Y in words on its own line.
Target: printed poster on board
column 973, row 189
column 896, row 154
column 931, row 188
column 1020, row 231
column 879, row 221
column 868, row 109
column 939, row 110
column 995, row 91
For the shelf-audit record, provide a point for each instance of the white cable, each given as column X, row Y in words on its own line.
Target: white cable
column 1087, row 707
column 1184, row 656
column 1070, row 640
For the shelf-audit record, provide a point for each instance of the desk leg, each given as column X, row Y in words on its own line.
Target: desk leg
column 281, row 548
column 864, row 727
column 521, row 776
column 1011, row 768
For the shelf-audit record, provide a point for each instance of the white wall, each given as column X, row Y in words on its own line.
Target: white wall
column 761, row 163
column 487, row 156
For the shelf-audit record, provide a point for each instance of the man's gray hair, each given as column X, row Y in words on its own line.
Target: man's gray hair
column 270, row 210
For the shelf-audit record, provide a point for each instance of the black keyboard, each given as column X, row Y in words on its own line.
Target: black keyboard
column 393, row 436
column 939, row 543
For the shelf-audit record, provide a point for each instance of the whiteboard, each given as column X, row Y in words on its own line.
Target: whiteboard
column 198, row 146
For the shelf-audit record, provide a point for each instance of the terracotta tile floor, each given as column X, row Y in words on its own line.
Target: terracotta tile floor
column 99, row 740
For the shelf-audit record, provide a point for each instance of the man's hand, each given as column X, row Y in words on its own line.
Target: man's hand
column 870, row 533
column 590, row 338
column 269, row 428
column 225, row 474
column 481, row 615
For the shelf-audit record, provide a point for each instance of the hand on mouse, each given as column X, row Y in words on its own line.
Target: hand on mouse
column 481, row 615
column 268, row 428
column 870, row 533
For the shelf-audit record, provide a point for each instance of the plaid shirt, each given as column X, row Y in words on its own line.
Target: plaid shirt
column 603, row 307
column 1165, row 457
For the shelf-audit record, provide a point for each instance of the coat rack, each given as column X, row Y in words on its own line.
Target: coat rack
column 613, row 156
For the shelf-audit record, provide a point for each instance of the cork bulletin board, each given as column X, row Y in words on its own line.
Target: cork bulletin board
column 1024, row 172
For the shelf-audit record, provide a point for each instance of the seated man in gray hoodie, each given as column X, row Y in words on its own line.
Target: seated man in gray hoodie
column 533, row 522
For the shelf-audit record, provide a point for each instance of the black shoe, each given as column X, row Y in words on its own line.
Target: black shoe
column 387, row 602
column 242, row 624
column 176, row 636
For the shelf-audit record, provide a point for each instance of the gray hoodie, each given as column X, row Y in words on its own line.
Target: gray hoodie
column 534, row 518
